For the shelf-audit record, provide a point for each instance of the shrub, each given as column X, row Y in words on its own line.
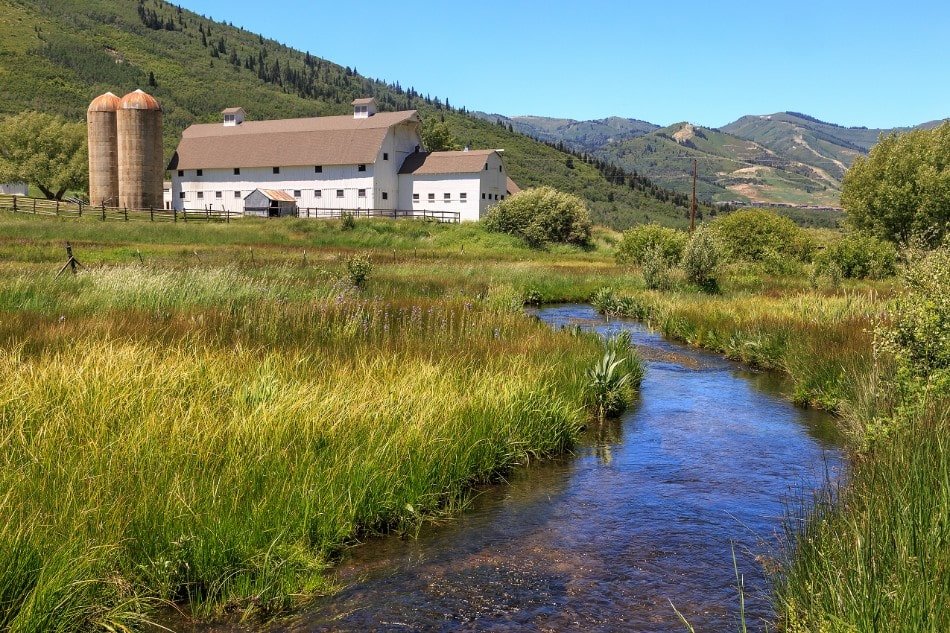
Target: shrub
column 542, row 216
column 358, row 269
column 757, row 235
column 701, row 259
column 656, row 269
column 859, row 256
column 347, row 221
column 637, row 241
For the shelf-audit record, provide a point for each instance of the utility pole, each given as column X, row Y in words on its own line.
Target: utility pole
column 692, row 207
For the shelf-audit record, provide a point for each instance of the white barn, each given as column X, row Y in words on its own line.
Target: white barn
column 368, row 161
column 14, row 188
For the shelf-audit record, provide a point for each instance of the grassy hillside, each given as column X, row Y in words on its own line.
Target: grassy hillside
column 580, row 136
column 729, row 168
column 55, row 56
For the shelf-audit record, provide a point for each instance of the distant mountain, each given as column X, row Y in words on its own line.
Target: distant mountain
column 729, row 168
column 579, row 136
column 782, row 158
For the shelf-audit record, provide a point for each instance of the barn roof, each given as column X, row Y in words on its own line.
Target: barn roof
column 463, row 162
column 328, row 140
column 274, row 194
column 511, row 186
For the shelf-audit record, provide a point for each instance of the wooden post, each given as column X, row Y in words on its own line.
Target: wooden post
column 34, row 206
column 14, row 204
column 80, row 209
column 57, row 208
column 103, row 211
column 151, row 214
column 126, row 210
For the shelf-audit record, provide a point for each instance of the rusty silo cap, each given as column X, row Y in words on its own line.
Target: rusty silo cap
column 104, row 103
column 139, row 100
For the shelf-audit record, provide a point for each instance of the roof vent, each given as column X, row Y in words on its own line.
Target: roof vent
column 364, row 108
column 233, row 116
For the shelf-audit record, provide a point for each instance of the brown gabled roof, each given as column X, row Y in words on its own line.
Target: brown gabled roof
column 511, row 186
column 328, row 140
column 232, row 110
column 363, row 101
column 464, row 162
column 275, row 194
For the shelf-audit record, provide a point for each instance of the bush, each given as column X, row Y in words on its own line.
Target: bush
column 358, row 269
column 542, row 216
column 757, row 235
column 657, row 270
column 859, row 256
column 637, row 241
column 347, row 221
column 701, row 259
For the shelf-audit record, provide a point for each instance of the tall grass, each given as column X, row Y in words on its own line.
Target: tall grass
column 213, row 439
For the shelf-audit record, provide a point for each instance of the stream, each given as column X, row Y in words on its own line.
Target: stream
column 645, row 515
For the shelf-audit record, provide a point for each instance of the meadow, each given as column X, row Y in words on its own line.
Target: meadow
column 189, row 422
column 208, row 415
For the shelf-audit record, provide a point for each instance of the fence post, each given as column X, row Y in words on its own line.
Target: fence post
column 174, row 214
column 14, row 204
column 103, row 211
column 34, row 206
column 80, row 209
column 126, row 210
column 57, row 208
column 151, row 214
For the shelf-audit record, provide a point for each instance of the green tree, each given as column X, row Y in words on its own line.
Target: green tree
column 44, row 150
column 437, row 137
column 645, row 241
column 757, row 235
column 902, row 188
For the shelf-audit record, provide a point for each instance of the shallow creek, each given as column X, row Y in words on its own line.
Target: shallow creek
column 645, row 514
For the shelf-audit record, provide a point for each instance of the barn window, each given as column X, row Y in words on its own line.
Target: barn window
column 237, row 171
column 201, row 194
column 339, row 193
column 431, row 197
column 385, row 156
column 486, row 166
column 181, row 173
column 198, row 172
column 499, row 168
column 463, row 197
column 447, row 197
column 237, row 194
column 415, row 197
column 276, row 170
column 318, row 169
column 296, row 193
column 218, row 194
column 483, row 196
column 361, row 168
column 361, row 193
column 181, row 194
column 385, row 195
column 317, row 193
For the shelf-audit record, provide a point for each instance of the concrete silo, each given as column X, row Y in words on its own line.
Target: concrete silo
column 141, row 167
column 103, row 150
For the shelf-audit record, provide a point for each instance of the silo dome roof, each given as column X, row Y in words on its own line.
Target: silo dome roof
column 139, row 100
column 105, row 103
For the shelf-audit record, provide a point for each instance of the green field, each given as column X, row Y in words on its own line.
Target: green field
column 208, row 414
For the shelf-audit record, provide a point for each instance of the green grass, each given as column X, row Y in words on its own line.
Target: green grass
column 211, row 427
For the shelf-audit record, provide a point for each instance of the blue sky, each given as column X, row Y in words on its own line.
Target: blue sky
column 879, row 64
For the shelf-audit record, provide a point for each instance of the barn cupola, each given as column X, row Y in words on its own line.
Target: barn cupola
column 364, row 108
column 233, row 116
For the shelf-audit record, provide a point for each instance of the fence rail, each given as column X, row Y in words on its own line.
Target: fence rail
column 71, row 209
column 452, row 217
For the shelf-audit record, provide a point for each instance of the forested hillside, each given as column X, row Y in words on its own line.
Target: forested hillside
column 56, row 55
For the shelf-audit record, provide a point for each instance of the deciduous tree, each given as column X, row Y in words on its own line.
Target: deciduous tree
column 44, row 150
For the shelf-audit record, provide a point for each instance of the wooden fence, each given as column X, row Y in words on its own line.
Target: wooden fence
column 451, row 217
column 70, row 209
